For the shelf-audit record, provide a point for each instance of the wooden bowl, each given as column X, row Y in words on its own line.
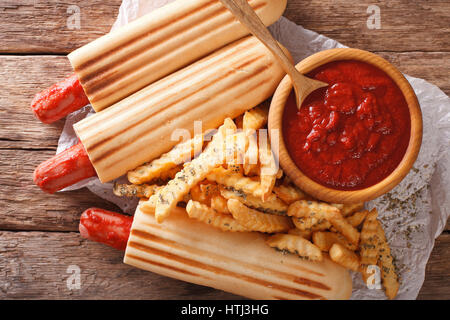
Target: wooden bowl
column 320, row 191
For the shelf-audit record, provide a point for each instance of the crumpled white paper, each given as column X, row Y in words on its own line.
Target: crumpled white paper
column 413, row 214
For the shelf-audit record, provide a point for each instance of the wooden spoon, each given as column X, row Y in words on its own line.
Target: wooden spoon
column 303, row 86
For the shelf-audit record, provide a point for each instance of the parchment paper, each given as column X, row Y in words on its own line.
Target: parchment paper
column 413, row 214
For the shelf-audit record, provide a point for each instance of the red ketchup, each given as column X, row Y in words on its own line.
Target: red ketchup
column 351, row 134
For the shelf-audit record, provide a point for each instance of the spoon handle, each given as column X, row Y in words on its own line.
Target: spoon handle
column 245, row 14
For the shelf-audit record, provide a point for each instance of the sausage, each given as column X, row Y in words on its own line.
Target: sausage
column 64, row 169
column 59, row 100
column 107, row 227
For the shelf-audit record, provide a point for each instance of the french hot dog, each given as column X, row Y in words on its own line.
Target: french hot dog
column 191, row 251
column 149, row 48
column 240, row 262
column 157, row 44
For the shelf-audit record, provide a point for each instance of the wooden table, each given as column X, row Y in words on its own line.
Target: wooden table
column 39, row 242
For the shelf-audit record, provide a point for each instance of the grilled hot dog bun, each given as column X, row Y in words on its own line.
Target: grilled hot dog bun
column 240, row 263
column 157, row 44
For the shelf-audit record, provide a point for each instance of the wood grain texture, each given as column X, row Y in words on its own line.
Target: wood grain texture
column 431, row 66
column 414, row 37
column 41, row 26
column 437, row 272
column 33, row 265
column 26, row 207
column 25, row 142
column 405, row 25
column 21, row 77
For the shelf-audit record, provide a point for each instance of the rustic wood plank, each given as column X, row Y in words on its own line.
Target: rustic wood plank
column 41, row 26
column 32, row 26
column 405, row 25
column 437, row 277
column 25, row 142
column 26, row 207
column 33, row 265
column 424, row 65
column 21, row 77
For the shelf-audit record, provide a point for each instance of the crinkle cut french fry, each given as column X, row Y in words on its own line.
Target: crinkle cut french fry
column 312, row 209
column 254, row 220
column 193, row 172
column 236, row 180
column 257, row 117
column 272, row 205
column 345, row 228
column 253, row 120
column 132, row 190
column 209, row 216
column 309, row 217
column 288, row 193
column 348, row 209
column 169, row 174
column 181, row 153
column 251, row 158
column 344, row 257
column 369, row 240
column 357, row 218
column 302, row 233
column 268, row 166
column 386, row 262
column 235, row 148
column 297, row 245
column 324, row 240
column 311, row 224
column 149, row 205
column 219, row 204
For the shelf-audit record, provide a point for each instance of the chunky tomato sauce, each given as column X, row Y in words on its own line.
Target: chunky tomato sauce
column 351, row 134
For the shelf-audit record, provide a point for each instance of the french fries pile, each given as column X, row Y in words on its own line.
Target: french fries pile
column 232, row 183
